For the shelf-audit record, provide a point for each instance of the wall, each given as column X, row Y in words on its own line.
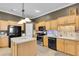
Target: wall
column 6, row 16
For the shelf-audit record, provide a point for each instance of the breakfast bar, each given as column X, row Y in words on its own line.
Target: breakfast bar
column 23, row 46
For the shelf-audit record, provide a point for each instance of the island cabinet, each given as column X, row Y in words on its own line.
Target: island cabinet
column 60, row 45
column 27, row 48
column 45, row 41
column 70, row 47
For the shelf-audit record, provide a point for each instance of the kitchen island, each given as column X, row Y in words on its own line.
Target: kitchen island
column 22, row 46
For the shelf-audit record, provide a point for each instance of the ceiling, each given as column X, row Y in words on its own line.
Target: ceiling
column 32, row 10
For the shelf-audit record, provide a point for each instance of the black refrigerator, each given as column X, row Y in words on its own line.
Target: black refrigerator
column 13, row 31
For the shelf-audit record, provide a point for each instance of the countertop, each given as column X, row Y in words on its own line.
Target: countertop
column 19, row 40
column 76, row 38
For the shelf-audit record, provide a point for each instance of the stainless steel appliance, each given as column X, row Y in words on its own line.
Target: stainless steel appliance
column 40, row 34
column 13, row 31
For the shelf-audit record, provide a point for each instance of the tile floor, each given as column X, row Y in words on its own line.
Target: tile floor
column 42, row 51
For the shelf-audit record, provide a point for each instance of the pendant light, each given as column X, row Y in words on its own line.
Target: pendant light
column 23, row 15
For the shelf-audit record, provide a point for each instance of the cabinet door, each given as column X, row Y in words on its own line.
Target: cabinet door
column 71, row 19
column 45, row 41
column 60, row 45
column 0, row 42
column 77, row 23
column 4, row 41
column 70, row 47
column 70, row 28
column 77, row 49
column 11, row 22
column 47, row 24
column 53, row 25
column 61, row 21
column 3, row 25
column 67, row 46
column 36, row 26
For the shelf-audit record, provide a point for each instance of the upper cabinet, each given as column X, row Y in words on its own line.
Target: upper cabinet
column 66, row 20
column 53, row 24
column 15, row 23
column 3, row 25
column 38, row 24
column 11, row 22
column 47, row 24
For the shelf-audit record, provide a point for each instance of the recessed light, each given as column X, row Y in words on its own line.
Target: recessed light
column 14, row 9
column 37, row 11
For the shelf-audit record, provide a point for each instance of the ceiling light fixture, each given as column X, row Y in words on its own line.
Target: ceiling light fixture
column 13, row 9
column 23, row 15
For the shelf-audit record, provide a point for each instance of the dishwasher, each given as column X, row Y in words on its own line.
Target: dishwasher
column 52, row 43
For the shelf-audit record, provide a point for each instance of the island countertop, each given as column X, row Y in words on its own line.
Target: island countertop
column 19, row 40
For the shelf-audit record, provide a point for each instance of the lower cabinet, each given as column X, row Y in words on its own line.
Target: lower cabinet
column 68, row 46
column 45, row 41
column 77, row 47
column 60, row 45
column 3, row 41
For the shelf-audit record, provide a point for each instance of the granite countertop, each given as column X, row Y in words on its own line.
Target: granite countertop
column 19, row 40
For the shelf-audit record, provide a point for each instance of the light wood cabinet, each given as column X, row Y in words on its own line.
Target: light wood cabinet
column 67, row 20
column 67, row 46
column 77, row 48
column 73, row 11
column 71, row 19
column 3, row 25
column 53, row 24
column 45, row 41
column 47, row 24
column 11, row 22
column 24, row 49
column 60, row 45
column 60, row 21
column 4, row 41
column 67, row 28
column 77, row 23
column 37, row 26
column 70, row 47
